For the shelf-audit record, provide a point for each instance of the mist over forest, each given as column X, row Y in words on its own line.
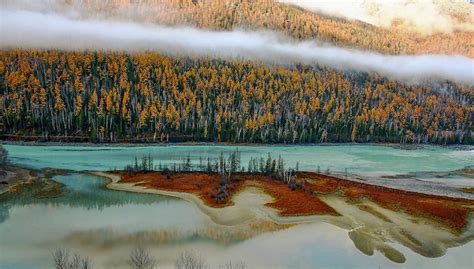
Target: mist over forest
column 27, row 26
column 213, row 70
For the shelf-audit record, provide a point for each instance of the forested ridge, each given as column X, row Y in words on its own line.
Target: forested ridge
column 271, row 15
column 114, row 97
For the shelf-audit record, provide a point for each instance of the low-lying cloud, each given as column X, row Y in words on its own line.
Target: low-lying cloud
column 28, row 29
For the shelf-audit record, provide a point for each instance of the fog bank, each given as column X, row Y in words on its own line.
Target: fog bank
column 28, row 29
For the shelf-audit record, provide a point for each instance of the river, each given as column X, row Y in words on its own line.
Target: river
column 105, row 224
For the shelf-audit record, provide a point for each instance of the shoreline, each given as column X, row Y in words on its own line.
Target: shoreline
column 14, row 176
column 191, row 143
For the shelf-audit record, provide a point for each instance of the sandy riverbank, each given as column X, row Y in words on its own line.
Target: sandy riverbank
column 11, row 176
column 248, row 205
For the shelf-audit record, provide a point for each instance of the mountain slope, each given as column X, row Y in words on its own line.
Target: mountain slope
column 419, row 16
column 263, row 14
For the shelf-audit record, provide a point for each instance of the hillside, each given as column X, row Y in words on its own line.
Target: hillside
column 268, row 14
column 90, row 96
column 412, row 16
column 123, row 71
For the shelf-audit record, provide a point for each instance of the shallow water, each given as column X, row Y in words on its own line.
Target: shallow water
column 36, row 227
column 33, row 228
column 105, row 225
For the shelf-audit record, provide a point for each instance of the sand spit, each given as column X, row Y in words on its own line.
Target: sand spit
column 248, row 205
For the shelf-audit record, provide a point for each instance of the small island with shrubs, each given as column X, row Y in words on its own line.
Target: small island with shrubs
column 294, row 193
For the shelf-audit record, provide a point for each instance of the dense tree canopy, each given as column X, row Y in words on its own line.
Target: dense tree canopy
column 107, row 96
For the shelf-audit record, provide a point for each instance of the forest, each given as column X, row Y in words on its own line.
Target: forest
column 149, row 97
column 272, row 15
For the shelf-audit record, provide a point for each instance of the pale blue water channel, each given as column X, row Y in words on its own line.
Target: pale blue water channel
column 359, row 159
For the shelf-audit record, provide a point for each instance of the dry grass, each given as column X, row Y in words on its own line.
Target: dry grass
column 451, row 211
column 289, row 202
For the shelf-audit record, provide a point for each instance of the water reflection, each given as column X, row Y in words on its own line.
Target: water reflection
column 32, row 227
column 77, row 191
